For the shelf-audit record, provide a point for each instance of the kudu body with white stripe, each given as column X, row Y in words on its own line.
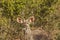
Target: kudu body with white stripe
column 38, row 34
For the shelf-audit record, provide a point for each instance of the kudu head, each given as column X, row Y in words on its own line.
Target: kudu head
column 26, row 21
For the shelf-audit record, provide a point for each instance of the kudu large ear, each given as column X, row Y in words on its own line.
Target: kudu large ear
column 31, row 19
column 19, row 20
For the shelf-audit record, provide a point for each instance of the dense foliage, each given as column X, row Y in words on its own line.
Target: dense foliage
column 46, row 13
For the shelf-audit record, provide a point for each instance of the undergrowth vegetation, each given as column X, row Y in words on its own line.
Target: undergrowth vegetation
column 46, row 13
